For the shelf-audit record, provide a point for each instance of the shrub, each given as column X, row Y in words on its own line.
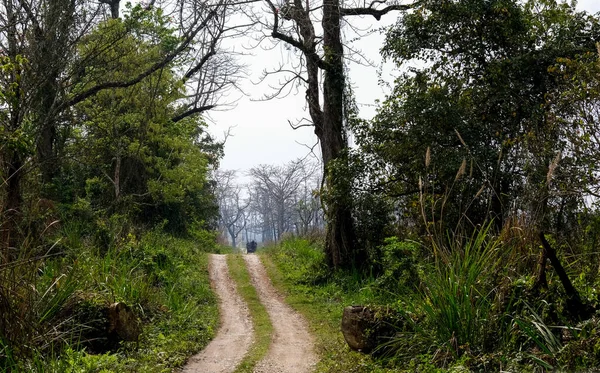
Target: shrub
column 399, row 266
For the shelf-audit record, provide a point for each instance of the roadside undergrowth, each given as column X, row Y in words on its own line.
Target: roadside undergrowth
column 163, row 279
column 263, row 329
column 466, row 308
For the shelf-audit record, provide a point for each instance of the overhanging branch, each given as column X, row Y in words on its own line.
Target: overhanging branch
column 308, row 52
column 128, row 83
column 190, row 112
column 377, row 13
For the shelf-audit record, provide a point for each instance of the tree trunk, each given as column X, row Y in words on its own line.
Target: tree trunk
column 12, row 160
column 12, row 207
column 114, row 7
column 232, row 235
column 280, row 219
column 117, row 178
column 51, row 46
column 575, row 305
column 45, row 153
column 340, row 236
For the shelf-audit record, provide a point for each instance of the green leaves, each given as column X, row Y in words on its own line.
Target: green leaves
column 487, row 70
column 126, row 141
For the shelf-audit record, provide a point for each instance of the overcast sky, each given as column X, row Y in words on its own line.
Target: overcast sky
column 260, row 131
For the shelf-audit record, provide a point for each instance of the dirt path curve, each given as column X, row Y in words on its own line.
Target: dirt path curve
column 224, row 353
column 292, row 349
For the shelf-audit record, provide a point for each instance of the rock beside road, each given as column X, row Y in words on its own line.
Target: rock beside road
column 123, row 323
column 365, row 328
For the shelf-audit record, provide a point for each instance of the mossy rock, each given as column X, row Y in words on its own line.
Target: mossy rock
column 99, row 327
column 365, row 328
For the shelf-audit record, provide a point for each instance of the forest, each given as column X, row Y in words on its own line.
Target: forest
column 464, row 216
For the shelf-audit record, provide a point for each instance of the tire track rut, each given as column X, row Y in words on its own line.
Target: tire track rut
column 292, row 346
column 224, row 353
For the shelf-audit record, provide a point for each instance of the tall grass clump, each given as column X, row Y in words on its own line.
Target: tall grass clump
column 458, row 295
column 36, row 284
column 455, row 307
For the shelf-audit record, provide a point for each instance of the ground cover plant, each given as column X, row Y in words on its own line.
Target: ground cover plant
column 298, row 269
column 163, row 279
column 469, row 311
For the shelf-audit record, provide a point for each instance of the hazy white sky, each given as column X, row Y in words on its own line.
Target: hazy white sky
column 262, row 134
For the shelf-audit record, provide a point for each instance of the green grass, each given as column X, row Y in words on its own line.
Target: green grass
column 451, row 319
column 263, row 329
column 458, row 296
column 165, row 281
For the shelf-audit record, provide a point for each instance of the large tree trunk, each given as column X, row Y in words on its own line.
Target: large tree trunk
column 329, row 121
column 52, row 45
column 12, row 159
column 340, row 236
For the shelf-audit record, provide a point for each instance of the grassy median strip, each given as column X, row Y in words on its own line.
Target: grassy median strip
column 263, row 329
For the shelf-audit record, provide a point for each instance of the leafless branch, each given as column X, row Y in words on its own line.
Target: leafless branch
column 371, row 11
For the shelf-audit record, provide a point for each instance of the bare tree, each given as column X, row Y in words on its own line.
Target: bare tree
column 280, row 184
column 308, row 209
column 277, row 194
column 262, row 210
column 232, row 207
column 293, row 23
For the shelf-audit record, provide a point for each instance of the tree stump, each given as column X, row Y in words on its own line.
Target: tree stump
column 365, row 328
column 123, row 325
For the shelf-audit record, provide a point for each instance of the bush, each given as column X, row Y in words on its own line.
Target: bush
column 399, row 266
column 303, row 262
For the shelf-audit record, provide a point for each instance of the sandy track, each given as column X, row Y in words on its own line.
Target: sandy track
column 235, row 334
column 292, row 347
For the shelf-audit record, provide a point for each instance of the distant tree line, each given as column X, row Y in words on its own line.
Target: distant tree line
column 277, row 200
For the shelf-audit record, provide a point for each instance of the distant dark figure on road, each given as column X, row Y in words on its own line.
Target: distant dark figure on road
column 251, row 246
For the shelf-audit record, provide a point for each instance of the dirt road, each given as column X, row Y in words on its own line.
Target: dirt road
column 226, row 351
column 291, row 349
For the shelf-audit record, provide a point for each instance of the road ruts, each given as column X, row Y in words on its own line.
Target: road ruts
column 292, row 346
column 235, row 334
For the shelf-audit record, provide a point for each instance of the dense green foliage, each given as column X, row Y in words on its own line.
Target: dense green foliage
column 126, row 153
column 487, row 142
column 57, row 314
column 473, row 132
column 460, row 310
column 123, row 211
